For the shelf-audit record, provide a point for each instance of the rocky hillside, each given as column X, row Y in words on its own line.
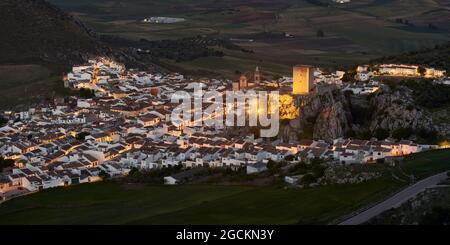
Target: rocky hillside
column 397, row 109
column 324, row 116
column 387, row 113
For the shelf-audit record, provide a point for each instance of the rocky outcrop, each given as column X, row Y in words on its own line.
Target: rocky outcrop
column 331, row 114
column 326, row 114
column 396, row 109
column 332, row 122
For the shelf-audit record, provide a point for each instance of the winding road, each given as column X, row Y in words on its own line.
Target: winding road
column 396, row 200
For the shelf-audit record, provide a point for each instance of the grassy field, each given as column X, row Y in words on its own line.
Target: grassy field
column 427, row 163
column 114, row 203
column 354, row 32
column 120, row 203
column 24, row 84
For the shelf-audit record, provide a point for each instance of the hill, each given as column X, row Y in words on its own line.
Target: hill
column 40, row 32
column 39, row 43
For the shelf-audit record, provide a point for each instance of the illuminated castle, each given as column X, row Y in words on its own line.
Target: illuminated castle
column 302, row 79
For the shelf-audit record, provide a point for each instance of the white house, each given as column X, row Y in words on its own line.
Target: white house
column 169, row 180
column 256, row 168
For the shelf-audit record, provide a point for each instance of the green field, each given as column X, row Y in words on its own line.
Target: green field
column 427, row 163
column 119, row 203
column 21, row 83
column 24, row 85
column 354, row 33
column 114, row 203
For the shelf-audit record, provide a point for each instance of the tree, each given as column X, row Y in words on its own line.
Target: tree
column 6, row 163
column 365, row 135
column 81, row 136
column 316, row 161
column 381, row 133
column 308, row 179
column 402, row 133
column 86, row 93
column 133, row 171
column 437, row 216
column 318, row 170
column 428, row 135
column 3, row 121
column 421, row 70
column 289, row 158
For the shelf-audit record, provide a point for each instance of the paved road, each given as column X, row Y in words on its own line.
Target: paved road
column 396, row 200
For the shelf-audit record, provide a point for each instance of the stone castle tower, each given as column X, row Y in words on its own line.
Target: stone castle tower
column 302, row 79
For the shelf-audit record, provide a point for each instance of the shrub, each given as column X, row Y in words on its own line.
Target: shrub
column 289, row 158
column 318, row 171
column 5, row 163
column 402, row 133
column 308, row 179
column 381, row 133
column 3, row 121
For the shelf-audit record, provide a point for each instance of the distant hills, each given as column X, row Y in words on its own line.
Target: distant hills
column 36, row 31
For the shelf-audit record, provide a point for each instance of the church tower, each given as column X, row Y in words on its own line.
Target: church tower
column 257, row 76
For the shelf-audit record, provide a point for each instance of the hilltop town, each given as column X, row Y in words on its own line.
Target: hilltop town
column 126, row 126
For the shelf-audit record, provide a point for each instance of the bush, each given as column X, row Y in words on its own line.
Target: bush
column 81, row 136
column 410, row 107
column 427, row 94
column 308, row 179
column 365, row 135
column 380, row 160
column 289, row 158
column 3, row 121
column 273, row 166
column 318, row 171
column 427, row 135
column 316, row 161
column 103, row 175
column 299, row 168
column 402, row 133
column 437, row 216
column 5, row 163
column 381, row 133
column 86, row 93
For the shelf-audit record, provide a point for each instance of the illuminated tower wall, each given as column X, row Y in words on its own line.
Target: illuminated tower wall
column 302, row 79
column 243, row 82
